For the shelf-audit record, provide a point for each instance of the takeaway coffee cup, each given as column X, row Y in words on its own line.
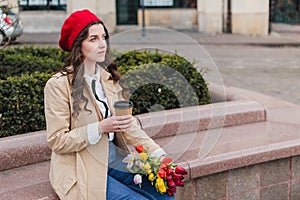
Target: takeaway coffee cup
column 123, row 107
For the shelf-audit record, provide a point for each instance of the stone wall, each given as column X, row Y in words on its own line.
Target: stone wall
column 250, row 17
column 210, row 15
column 173, row 18
column 274, row 180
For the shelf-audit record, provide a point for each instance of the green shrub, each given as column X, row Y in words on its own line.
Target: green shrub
column 49, row 52
column 22, row 103
column 23, row 74
column 161, row 81
column 157, row 81
column 16, row 61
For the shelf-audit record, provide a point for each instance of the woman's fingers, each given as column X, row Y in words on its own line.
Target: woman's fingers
column 116, row 123
column 122, row 118
column 122, row 123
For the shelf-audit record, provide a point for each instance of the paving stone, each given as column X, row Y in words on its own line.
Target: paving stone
column 274, row 172
column 296, row 167
column 243, row 179
column 276, row 192
column 295, row 190
column 212, row 186
column 187, row 192
column 250, row 195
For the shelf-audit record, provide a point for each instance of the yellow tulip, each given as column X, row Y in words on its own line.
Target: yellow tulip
column 151, row 177
column 160, row 185
column 143, row 156
column 147, row 166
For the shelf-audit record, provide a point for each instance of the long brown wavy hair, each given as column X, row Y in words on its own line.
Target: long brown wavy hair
column 74, row 69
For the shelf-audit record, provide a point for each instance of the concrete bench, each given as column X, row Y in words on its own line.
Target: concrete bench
column 235, row 148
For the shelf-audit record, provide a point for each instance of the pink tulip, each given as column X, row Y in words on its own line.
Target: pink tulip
column 170, row 192
column 171, row 183
column 177, row 177
column 179, row 183
column 170, row 171
column 169, row 177
column 180, row 170
column 173, row 189
column 137, row 179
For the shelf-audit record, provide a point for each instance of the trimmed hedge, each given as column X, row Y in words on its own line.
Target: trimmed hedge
column 22, row 103
column 157, row 81
column 23, row 74
column 160, row 81
column 16, row 61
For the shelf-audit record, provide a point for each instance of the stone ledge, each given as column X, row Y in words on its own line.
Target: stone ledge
column 27, row 182
column 31, row 148
column 23, row 150
column 235, row 147
column 233, row 160
column 198, row 118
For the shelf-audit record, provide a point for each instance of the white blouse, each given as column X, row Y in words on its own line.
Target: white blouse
column 93, row 135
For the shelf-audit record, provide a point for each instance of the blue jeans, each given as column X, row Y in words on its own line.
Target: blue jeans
column 120, row 183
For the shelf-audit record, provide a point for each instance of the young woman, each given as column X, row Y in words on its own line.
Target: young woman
column 82, row 131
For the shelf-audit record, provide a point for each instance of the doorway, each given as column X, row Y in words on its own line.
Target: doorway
column 285, row 11
column 127, row 12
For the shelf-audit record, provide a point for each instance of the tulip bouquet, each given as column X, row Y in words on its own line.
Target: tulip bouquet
column 163, row 173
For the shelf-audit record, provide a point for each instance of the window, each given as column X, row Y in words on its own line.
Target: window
column 169, row 3
column 42, row 4
column 186, row 3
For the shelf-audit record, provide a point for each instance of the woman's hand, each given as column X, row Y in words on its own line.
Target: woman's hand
column 115, row 124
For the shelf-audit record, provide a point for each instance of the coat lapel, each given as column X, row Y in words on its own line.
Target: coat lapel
column 111, row 89
column 113, row 93
column 88, row 93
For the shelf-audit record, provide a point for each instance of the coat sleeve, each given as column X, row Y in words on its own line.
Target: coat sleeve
column 136, row 136
column 61, row 139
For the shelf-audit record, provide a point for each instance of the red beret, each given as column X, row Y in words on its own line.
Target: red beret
column 72, row 27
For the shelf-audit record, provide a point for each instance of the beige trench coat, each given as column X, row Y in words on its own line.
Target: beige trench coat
column 78, row 170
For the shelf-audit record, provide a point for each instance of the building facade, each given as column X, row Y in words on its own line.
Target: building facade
column 250, row 17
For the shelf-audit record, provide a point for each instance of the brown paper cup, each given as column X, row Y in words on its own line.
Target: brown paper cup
column 123, row 108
